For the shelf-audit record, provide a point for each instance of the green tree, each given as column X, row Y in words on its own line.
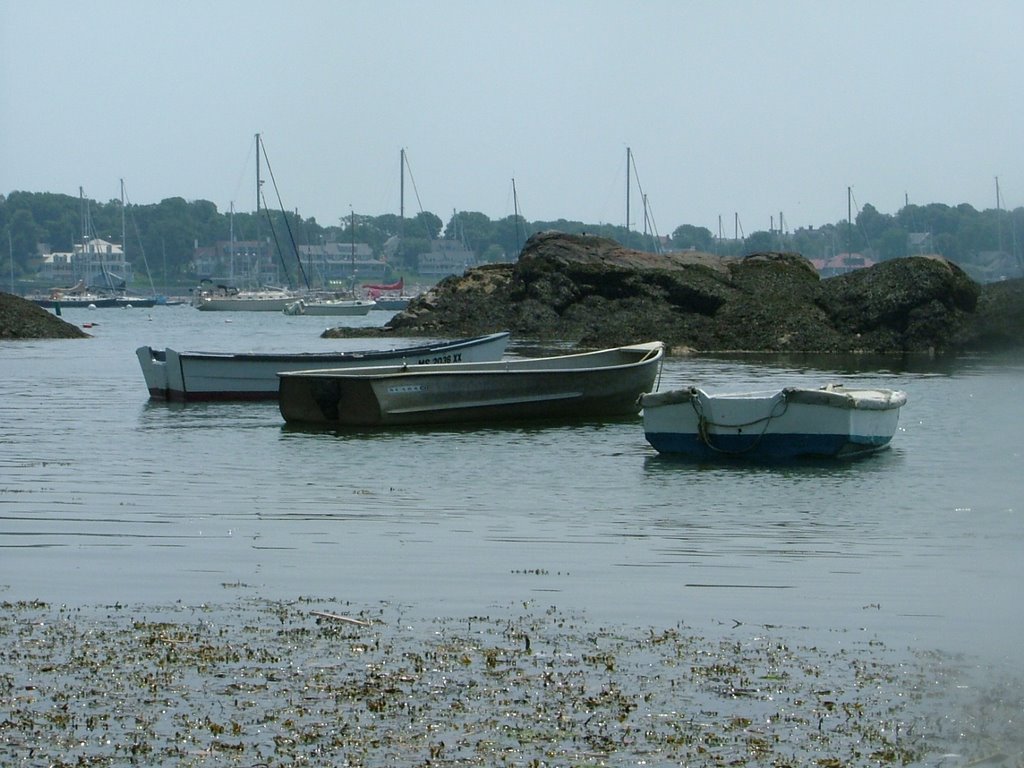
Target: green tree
column 58, row 216
column 170, row 233
column 813, row 243
column 871, row 224
column 686, row 237
column 474, row 229
column 948, row 245
column 424, row 224
column 760, row 242
column 510, row 234
column 409, row 250
column 390, row 224
column 24, row 233
column 892, row 243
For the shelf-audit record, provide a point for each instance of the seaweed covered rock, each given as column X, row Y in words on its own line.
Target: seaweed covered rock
column 22, row 319
column 999, row 318
column 916, row 304
column 593, row 292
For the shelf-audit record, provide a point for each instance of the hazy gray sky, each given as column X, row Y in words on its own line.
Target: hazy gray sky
column 748, row 108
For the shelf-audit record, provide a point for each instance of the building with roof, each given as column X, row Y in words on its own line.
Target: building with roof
column 445, row 257
column 96, row 262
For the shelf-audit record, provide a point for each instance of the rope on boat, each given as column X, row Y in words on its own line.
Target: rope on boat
column 704, row 423
column 657, row 380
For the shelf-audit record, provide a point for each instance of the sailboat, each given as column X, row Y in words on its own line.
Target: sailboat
column 334, row 304
column 89, row 254
column 390, row 296
column 650, row 233
column 121, row 296
column 153, row 299
column 325, row 306
column 223, row 298
column 76, row 296
column 230, row 299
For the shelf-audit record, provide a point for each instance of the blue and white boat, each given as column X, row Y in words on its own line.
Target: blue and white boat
column 834, row 422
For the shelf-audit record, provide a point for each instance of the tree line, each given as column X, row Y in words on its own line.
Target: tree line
column 161, row 237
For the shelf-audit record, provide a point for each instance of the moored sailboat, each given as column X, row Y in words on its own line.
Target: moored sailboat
column 330, row 307
column 390, row 296
column 227, row 298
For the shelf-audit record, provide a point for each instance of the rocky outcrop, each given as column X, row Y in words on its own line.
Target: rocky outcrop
column 22, row 319
column 593, row 292
column 999, row 319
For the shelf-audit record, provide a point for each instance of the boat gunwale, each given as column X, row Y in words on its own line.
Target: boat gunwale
column 157, row 365
column 829, row 396
column 369, row 354
column 653, row 353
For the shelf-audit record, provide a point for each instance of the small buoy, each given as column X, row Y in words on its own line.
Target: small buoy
column 92, row 306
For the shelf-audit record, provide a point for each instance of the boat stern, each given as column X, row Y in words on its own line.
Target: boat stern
column 306, row 398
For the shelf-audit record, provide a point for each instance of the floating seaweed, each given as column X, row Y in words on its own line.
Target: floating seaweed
column 317, row 682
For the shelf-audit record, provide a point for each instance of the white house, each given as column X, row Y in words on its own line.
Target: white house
column 97, row 261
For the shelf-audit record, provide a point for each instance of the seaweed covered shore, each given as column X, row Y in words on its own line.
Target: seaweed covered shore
column 22, row 319
column 320, row 683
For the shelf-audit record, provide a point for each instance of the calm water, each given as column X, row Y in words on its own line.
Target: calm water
column 106, row 497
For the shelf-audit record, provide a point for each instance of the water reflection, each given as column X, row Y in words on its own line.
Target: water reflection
column 819, row 470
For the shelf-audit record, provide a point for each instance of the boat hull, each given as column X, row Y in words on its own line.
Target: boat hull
column 135, row 302
column 243, row 304
column 597, row 385
column 196, row 376
column 330, row 308
column 393, row 303
column 832, row 422
column 94, row 302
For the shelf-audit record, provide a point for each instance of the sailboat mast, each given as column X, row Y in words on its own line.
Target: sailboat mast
column 231, row 236
column 124, row 240
column 629, row 162
column 259, row 192
column 401, row 193
column 515, row 208
column 999, row 218
column 86, row 255
column 258, row 182
column 849, row 220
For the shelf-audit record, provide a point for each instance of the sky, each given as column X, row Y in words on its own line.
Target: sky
column 735, row 113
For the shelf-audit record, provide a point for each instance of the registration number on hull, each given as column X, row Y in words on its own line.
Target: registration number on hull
column 454, row 357
column 403, row 388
